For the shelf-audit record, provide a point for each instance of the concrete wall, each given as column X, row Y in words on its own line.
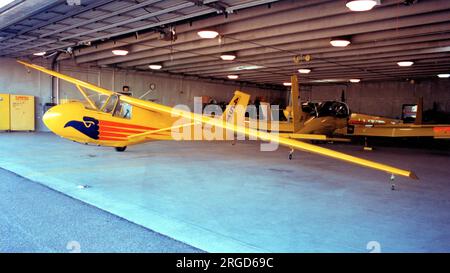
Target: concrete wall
column 169, row 90
column 386, row 98
column 16, row 79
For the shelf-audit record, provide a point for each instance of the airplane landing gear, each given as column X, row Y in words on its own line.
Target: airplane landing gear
column 121, row 149
column 366, row 145
column 392, row 182
column 291, row 154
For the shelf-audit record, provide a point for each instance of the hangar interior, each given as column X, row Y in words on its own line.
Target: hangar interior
column 220, row 197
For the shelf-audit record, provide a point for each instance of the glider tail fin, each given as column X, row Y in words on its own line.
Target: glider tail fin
column 237, row 106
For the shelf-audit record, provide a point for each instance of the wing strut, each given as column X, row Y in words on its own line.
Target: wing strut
column 91, row 103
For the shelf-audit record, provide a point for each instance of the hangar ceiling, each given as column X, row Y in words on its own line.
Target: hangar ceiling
column 266, row 36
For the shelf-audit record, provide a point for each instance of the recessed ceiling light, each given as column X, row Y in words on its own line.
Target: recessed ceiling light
column 304, row 70
column 444, row 75
column 405, row 63
column 233, row 77
column 248, row 67
column 120, row 52
column 39, row 53
column 287, row 84
column 361, row 5
column 155, row 66
column 228, row 56
column 355, row 80
column 330, row 80
column 4, row 3
column 208, row 34
column 340, row 42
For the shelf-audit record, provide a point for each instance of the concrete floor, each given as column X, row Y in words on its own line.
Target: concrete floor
column 35, row 218
column 224, row 198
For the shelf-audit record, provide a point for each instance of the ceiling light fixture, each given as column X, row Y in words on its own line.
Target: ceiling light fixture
column 361, row 5
column 340, row 42
column 120, row 52
column 233, row 77
column 355, row 80
column 405, row 63
column 4, row 3
column 443, row 76
column 304, row 71
column 247, row 67
column 40, row 53
column 155, row 66
column 287, row 84
column 330, row 80
column 208, row 34
column 228, row 56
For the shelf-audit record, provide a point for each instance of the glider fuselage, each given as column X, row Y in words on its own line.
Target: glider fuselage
column 76, row 122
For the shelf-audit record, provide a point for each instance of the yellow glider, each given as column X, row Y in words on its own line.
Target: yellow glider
column 152, row 121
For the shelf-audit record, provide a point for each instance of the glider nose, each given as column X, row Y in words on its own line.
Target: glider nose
column 52, row 118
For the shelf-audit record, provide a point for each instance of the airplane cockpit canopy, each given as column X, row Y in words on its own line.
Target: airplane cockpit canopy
column 326, row 109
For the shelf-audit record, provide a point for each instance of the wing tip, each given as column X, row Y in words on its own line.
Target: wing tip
column 412, row 175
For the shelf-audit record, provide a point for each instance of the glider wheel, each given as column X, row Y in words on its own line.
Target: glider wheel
column 121, row 149
column 291, row 153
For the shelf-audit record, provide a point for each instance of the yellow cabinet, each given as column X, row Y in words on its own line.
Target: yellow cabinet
column 22, row 113
column 5, row 122
column 17, row 113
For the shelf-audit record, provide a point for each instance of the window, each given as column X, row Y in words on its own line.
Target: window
column 123, row 110
column 109, row 104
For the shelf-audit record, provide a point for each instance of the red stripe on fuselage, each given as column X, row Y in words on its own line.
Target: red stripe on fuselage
column 107, row 127
column 111, row 131
column 120, row 130
column 112, row 138
column 107, row 134
column 124, row 125
column 354, row 122
column 441, row 129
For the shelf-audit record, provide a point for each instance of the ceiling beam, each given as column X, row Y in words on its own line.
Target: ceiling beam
column 263, row 43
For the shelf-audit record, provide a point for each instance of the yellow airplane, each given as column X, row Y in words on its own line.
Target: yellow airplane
column 124, row 121
column 374, row 126
column 330, row 120
column 312, row 120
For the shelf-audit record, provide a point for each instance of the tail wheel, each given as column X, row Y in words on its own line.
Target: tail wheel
column 291, row 153
column 121, row 149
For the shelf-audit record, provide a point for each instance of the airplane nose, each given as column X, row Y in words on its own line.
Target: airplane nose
column 52, row 117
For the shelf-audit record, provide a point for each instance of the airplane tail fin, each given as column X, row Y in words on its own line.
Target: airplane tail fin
column 237, row 106
column 295, row 96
